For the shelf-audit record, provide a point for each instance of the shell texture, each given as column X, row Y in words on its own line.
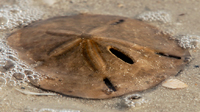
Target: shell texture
column 98, row 56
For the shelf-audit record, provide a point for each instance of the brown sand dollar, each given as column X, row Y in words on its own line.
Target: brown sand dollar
column 98, row 56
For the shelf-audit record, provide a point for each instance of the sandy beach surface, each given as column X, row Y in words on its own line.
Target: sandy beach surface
column 180, row 18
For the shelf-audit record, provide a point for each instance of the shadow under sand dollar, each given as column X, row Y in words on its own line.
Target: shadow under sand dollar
column 98, row 56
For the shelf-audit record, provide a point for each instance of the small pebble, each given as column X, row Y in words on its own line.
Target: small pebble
column 22, row 87
column 174, row 84
column 196, row 66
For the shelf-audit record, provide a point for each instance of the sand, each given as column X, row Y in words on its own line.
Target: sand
column 172, row 16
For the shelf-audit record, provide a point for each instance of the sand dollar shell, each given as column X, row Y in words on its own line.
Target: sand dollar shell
column 98, row 56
